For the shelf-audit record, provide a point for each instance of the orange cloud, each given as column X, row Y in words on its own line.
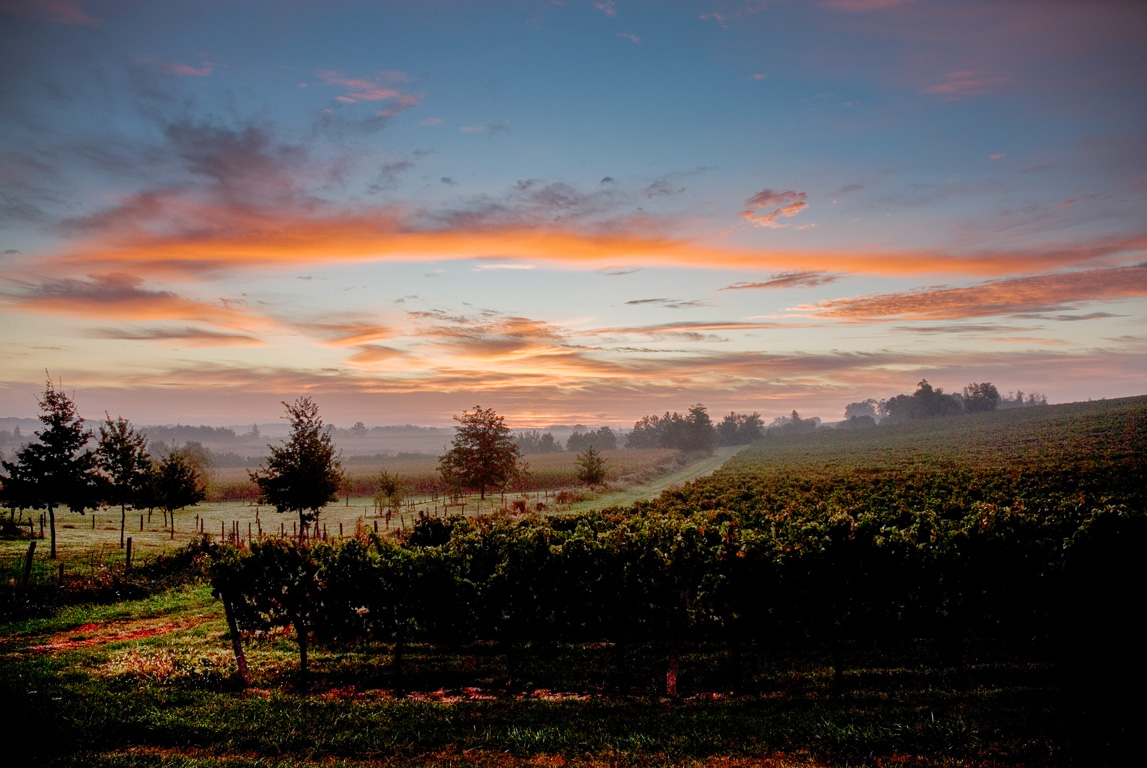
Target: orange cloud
column 165, row 234
column 1002, row 297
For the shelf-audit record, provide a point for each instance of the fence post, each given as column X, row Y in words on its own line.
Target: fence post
column 28, row 561
column 127, row 563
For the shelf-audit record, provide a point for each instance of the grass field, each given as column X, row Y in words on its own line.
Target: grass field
column 91, row 542
column 146, row 683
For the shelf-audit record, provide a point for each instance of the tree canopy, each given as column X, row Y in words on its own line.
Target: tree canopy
column 483, row 454
column 303, row 474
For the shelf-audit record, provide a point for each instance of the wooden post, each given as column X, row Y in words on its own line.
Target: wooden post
column 127, row 563
column 376, row 526
column 93, row 521
column 28, row 561
column 222, row 531
column 340, row 529
column 141, row 523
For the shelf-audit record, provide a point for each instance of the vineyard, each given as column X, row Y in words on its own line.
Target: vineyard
column 956, row 592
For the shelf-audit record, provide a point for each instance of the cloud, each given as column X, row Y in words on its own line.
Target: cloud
column 59, row 11
column 122, row 296
column 956, row 85
column 1040, row 293
column 492, row 128
column 369, row 354
column 999, row 156
column 381, row 87
column 606, row 7
column 205, row 68
column 735, row 10
column 791, row 203
column 630, row 37
column 171, row 234
column 788, row 280
column 668, row 303
column 187, row 335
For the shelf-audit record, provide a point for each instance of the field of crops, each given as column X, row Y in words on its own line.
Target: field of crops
column 420, row 477
column 959, row 592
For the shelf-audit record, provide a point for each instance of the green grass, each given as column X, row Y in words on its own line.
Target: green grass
column 167, row 699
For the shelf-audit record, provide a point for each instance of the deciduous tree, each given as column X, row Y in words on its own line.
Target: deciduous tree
column 123, row 457
column 483, row 454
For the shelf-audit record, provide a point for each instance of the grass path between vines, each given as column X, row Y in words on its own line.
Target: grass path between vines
column 656, row 486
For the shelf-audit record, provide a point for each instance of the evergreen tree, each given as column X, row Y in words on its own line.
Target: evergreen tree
column 58, row 469
column 302, row 475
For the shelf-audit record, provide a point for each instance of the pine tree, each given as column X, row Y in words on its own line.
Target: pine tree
column 304, row 474
column 57, row 469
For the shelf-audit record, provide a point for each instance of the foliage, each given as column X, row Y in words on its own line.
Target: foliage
column 58, row 469
column 591, row 467
column 858, row 536
column 482, row 455
column 123, row 458
column 177, row 481
column 979, row 398
column 692, row 433
column 302, row 475
column 603, row 439
column 390, row 491
column 740, row 429
column 537, row 442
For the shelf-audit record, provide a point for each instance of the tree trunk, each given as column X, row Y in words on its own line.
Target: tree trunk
column 301, row 634
column 122, row 522
column 52, row 524
column 396, row 662
column 236, row 644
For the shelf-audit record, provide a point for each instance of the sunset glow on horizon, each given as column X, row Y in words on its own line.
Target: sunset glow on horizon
column 569, row 211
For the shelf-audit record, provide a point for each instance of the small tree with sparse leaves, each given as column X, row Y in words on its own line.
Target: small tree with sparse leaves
column 123, row 458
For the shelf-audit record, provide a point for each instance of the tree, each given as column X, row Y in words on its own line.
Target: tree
column 591, row 467
column 739, row 429
column 979, row 398
column 389, row 492
column 177, row 482
column 302, row 475
column 866, row 408
column 483, row 453
column 123, row 457
column 58, row 469
column 602, row 439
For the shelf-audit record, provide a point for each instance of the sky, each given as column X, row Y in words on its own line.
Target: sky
column 577, row 211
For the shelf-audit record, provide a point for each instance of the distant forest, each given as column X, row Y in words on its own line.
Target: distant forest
column 691, row 432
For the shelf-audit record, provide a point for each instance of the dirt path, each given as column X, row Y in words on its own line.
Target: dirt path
column 654, row 487
column 115, row 631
